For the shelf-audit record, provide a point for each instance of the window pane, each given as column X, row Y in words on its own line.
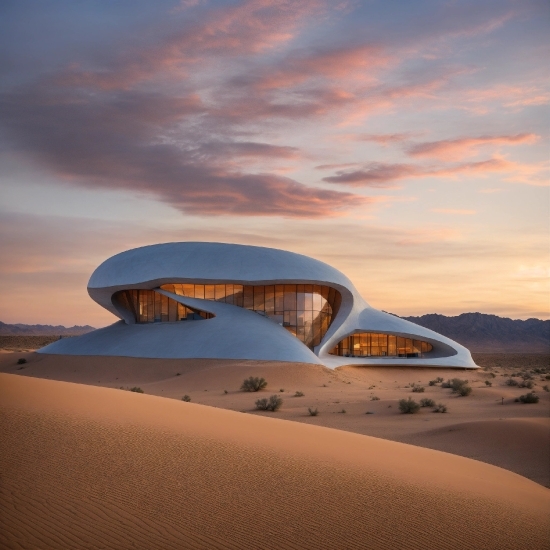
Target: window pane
column 219, row 293
column 270, row 299
column 279, row 298
column 259, row 296
column 248, row 297
column 209, row 292
column 290, row 298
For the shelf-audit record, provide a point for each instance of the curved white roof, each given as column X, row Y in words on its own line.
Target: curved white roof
column 236, row 332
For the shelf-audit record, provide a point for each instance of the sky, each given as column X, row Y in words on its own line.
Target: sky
column 404, row 143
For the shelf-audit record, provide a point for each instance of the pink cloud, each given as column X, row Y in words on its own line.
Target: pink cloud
column 249, row 27
column 377, row 175
column 456, row 149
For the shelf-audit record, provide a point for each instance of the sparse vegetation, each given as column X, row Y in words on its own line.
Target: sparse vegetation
column 546, row 388
column 464, row 391
column 375, row 398
column 427, row 402
column 21, row 361
column 253, row 383
column 369, row 412
column 437, row 380
column 313, row 412
column 282, row 390
column 225, row 391
column 272, row 404
column 530, row 397
column 526, row 384
column 299, row 394
column 343, row 411
column 488, row 383
column 417, row 388
column 440, row 408
column 135, row 389
column 511, row 382
column 186, row 398
column 459, row 386
column 408, row 406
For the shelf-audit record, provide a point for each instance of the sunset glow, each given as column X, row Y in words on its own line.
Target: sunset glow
column 406, row 144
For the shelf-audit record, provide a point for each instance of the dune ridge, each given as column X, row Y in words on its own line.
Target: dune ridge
column 89, row 467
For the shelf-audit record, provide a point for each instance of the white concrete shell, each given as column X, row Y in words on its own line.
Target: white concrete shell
column 235, row 332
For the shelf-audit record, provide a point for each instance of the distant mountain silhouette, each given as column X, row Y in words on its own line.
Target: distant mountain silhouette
column 477, row 331
column 42, row 330
column 484, row 333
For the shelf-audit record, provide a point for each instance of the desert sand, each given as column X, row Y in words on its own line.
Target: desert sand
column 91, row 467
column 488, row 425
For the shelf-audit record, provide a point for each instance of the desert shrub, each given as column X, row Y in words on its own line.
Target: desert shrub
column 511, row 382
column 441, row 408
column 225, row 391
column 432, row 383
column 343, row 411
column 546, row 388
column 526, row 384
column 369, row 412
column 457, row 383
column 530, row 397
column 427, row 402
column 299, row 394
column 21, row 361
column 313, row 412
column 375, row 398
column 253, row 383
column 186, row 398
column 463, row 391
column 418, row 389
column 437, row 380
column 446, row 384
column 137, row 390
column 460, row 386
column 488, row 383
column 272, row 404
column 408, row 406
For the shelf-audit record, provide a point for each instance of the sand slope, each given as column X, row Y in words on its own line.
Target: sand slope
column 88, row 467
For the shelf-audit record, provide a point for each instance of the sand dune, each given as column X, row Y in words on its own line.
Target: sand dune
column 89, row 467
column 351, row 389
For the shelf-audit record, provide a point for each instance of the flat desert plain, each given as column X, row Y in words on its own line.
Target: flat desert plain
column 103, row 467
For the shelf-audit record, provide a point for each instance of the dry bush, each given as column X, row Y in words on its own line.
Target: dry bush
column 408, row 406
column 253, row 383
column 186, row 398
column 272, row 404
column 530, row 397
column 427, row 402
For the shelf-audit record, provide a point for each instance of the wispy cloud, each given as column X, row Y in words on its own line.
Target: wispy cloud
column 457, row 149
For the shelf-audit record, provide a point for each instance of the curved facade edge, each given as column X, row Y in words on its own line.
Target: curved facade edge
column 233, row 334
column 446, row 352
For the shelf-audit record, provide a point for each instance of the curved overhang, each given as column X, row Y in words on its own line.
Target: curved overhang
column 235, row 332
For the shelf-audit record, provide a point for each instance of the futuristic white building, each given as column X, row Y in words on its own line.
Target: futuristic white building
column 226, row 301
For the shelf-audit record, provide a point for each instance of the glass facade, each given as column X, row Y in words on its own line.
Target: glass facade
column 306, row 311
column 372, row 344
column 148, row 306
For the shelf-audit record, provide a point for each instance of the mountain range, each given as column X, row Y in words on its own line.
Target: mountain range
column 479, row 332
column 19, row 329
